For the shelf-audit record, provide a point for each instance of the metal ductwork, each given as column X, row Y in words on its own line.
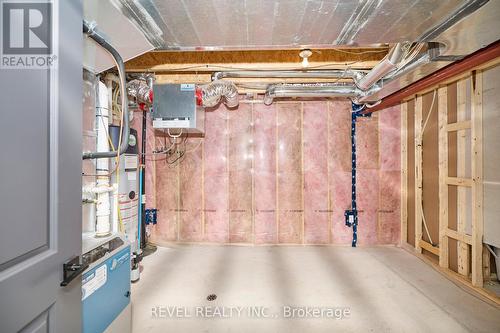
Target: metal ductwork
column 310, row 90
column 140, row 91
column 334, row 74
column 215, row 92
column 384, row 67
column 373, row 94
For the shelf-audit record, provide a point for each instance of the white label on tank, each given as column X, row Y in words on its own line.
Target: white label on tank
column 132, row 175
column 95, row 281
column 187, row 87
column 130, row 162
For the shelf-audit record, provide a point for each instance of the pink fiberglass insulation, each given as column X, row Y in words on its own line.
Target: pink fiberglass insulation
column 280, row 174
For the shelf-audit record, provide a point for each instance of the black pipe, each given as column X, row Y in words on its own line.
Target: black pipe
column 99, row 39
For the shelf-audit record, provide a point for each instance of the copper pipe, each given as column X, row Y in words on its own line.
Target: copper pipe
column 470, row 62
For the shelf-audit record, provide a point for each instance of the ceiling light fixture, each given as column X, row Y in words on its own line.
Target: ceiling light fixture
column 305, row 54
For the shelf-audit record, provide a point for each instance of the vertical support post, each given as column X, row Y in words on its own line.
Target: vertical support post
column 418, row 173
column 477, row 178
column 463, row 248
column 404, row 173
column 443, row 174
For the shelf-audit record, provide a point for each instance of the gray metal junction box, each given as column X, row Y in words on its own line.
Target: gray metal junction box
column 175, row 107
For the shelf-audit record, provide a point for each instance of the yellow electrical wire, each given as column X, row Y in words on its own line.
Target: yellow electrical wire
column 114, row 103
column 117, row 161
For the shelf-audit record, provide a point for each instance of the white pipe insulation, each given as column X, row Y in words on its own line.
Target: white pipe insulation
column 103, row 208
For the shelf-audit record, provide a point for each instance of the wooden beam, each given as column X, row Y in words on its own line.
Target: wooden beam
column 463, row 248
column 477, row 177
column 428, row 247
column 461, row 125
column 209, row 61
column 404, row 173
column 418, row 173
column 459, row 236
column 457, row 181
column 443, row 175
column 183, row 78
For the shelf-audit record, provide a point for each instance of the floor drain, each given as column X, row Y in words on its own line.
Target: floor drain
column 211, row 297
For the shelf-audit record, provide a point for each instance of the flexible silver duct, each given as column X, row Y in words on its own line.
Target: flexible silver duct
column 310, row 90
column 335, row 74
column 215, row 92
column 140, row 91
column 388, row 64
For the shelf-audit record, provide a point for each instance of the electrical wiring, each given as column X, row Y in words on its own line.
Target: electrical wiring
column 114, row 103
column 115, row 110
column 360, row 53
column 208, row 67
column 430, row 112
column 117, row 161
column 195, row 148
column 174, row 136
column 422, row 134
column 181, row 154
column 411, row 54
column 371, row 105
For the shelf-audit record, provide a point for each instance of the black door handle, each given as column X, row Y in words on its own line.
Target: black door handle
column 71, row 269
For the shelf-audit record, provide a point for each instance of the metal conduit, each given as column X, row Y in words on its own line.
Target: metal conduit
column 335, row 74
column 310, row 90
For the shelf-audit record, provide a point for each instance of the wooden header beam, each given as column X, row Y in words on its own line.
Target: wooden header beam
column 210, row 61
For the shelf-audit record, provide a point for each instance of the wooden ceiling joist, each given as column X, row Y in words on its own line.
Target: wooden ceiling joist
column 210, row 61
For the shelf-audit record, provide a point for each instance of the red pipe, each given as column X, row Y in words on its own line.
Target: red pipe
column 471, row 61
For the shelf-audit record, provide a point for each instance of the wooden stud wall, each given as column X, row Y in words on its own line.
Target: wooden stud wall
column 471, row 260
column 418, row 173
column 404, row 173
column 477, row 178
column 443, row 175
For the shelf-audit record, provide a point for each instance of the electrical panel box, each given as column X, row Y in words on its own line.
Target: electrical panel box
column 175, row 107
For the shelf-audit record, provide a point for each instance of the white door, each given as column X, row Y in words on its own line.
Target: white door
column 40, row 174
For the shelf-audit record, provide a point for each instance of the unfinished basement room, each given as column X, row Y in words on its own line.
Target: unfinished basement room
column 246, row 166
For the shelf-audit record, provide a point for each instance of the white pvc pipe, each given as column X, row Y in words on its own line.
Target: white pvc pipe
column 97, row 190
column 103, row 208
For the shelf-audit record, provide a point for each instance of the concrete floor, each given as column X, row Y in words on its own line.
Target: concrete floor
column 379, row 289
